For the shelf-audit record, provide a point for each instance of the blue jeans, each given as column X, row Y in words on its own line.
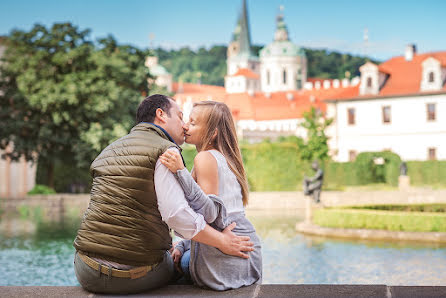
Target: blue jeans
column 184, row 263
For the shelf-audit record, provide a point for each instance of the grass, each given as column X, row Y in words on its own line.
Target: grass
column 407, row 208
column 413, row 221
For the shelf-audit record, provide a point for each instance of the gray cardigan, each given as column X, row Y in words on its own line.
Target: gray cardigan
column 209, row 267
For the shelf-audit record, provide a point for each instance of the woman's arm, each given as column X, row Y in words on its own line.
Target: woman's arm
column 205, row 167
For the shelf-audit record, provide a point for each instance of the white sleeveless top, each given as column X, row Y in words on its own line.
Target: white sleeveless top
column 229, row 190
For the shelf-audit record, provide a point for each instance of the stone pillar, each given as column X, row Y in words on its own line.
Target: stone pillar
column 403, row 183
column 308, row 210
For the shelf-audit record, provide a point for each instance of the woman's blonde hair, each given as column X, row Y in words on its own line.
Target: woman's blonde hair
column 218, row 118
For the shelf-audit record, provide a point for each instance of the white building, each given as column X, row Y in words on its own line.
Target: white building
column 282, row 65
column 161, row 77
column 400, row 106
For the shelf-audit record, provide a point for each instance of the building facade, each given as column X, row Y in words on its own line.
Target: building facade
column 400, row 106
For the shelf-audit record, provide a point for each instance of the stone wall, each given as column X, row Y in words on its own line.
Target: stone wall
column 54, row 207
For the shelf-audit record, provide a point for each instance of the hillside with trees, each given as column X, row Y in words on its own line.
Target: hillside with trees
column 208, row 66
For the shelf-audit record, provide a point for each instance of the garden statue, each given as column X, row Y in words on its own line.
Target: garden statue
column 403, row 169
column 313, row 185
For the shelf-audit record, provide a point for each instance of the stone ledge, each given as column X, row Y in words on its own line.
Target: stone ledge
column 252, row 291
column 368, row 234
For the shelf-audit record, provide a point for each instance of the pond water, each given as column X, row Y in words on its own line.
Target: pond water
column 42, row 254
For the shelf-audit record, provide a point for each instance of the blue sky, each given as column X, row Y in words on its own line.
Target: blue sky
column 337, row 25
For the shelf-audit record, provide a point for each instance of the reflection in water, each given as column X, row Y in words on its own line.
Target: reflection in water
column 43, row 255
column 290, row 257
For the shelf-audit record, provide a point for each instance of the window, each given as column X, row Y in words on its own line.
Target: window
column 351, row 116
column 432, row 153
column 299, row 84
column 352, row 155
column 284, row 76
column 386, row 114
column 431, row 112
column 369, row 82
column 267, row 77
column 431, row 77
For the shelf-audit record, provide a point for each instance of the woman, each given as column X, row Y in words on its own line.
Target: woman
column 217, row 189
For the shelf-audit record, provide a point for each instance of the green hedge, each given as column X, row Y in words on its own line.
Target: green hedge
column 422, row 173
column 278, row 167
column 407, row 208
column 381, row 220
column 269, row 166
column 39, row 189
column 274, row 166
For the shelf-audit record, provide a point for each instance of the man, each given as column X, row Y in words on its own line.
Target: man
column 313, row 185
column 123, row 241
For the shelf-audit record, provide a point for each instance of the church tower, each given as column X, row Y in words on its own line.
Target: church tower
column 283, row 65
column 240, row 54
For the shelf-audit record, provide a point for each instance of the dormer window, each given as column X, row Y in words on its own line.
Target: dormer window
column 372, row 79
column 431, row 77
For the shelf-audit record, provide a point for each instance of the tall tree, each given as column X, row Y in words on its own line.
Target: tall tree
column 315, row 146
column 64, row 97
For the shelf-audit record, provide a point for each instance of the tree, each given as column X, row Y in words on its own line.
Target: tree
column 315, row 146
column 64, row 97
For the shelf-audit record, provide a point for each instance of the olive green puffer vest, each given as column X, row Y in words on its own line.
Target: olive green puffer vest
column 122, row 222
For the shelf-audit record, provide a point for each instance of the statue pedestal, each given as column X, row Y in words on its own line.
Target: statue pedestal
column 308, row 209
column 403, row 182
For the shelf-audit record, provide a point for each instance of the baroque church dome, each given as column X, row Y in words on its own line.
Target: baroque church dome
column 281, row 46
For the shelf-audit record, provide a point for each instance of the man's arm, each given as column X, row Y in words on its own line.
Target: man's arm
column 175, row 211
column 227, row 242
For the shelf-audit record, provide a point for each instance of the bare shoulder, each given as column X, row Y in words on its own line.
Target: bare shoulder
column 206, row 171
column 205, row 160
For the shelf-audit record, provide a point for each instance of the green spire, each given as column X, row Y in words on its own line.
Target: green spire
column 242, row 34
column 281, row 33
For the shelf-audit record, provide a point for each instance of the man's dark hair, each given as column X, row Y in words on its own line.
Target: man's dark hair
column 147, row 108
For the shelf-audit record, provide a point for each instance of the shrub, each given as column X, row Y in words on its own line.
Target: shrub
column 369, row 170
column 431, row 172
column 41, row 190
column 381, row 220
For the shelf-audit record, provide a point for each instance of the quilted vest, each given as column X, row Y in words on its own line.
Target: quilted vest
column 122, row 222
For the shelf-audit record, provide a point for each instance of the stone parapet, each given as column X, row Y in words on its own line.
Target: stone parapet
column 252, row 291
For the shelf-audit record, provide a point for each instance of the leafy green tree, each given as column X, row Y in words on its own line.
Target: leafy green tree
column 209, row 66
column 64, row 98
column 315, row 147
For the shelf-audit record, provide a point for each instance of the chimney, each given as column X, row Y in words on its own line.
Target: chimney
column 411, row 50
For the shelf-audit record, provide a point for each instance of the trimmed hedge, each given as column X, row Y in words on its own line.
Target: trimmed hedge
column 407, row 208
column 380, row 220
column 269, row 166
column 278, row 167
column 432, row 173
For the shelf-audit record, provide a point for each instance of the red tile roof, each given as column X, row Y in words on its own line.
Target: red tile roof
column 263, row 106
column 404, row 78
column 246, row 73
